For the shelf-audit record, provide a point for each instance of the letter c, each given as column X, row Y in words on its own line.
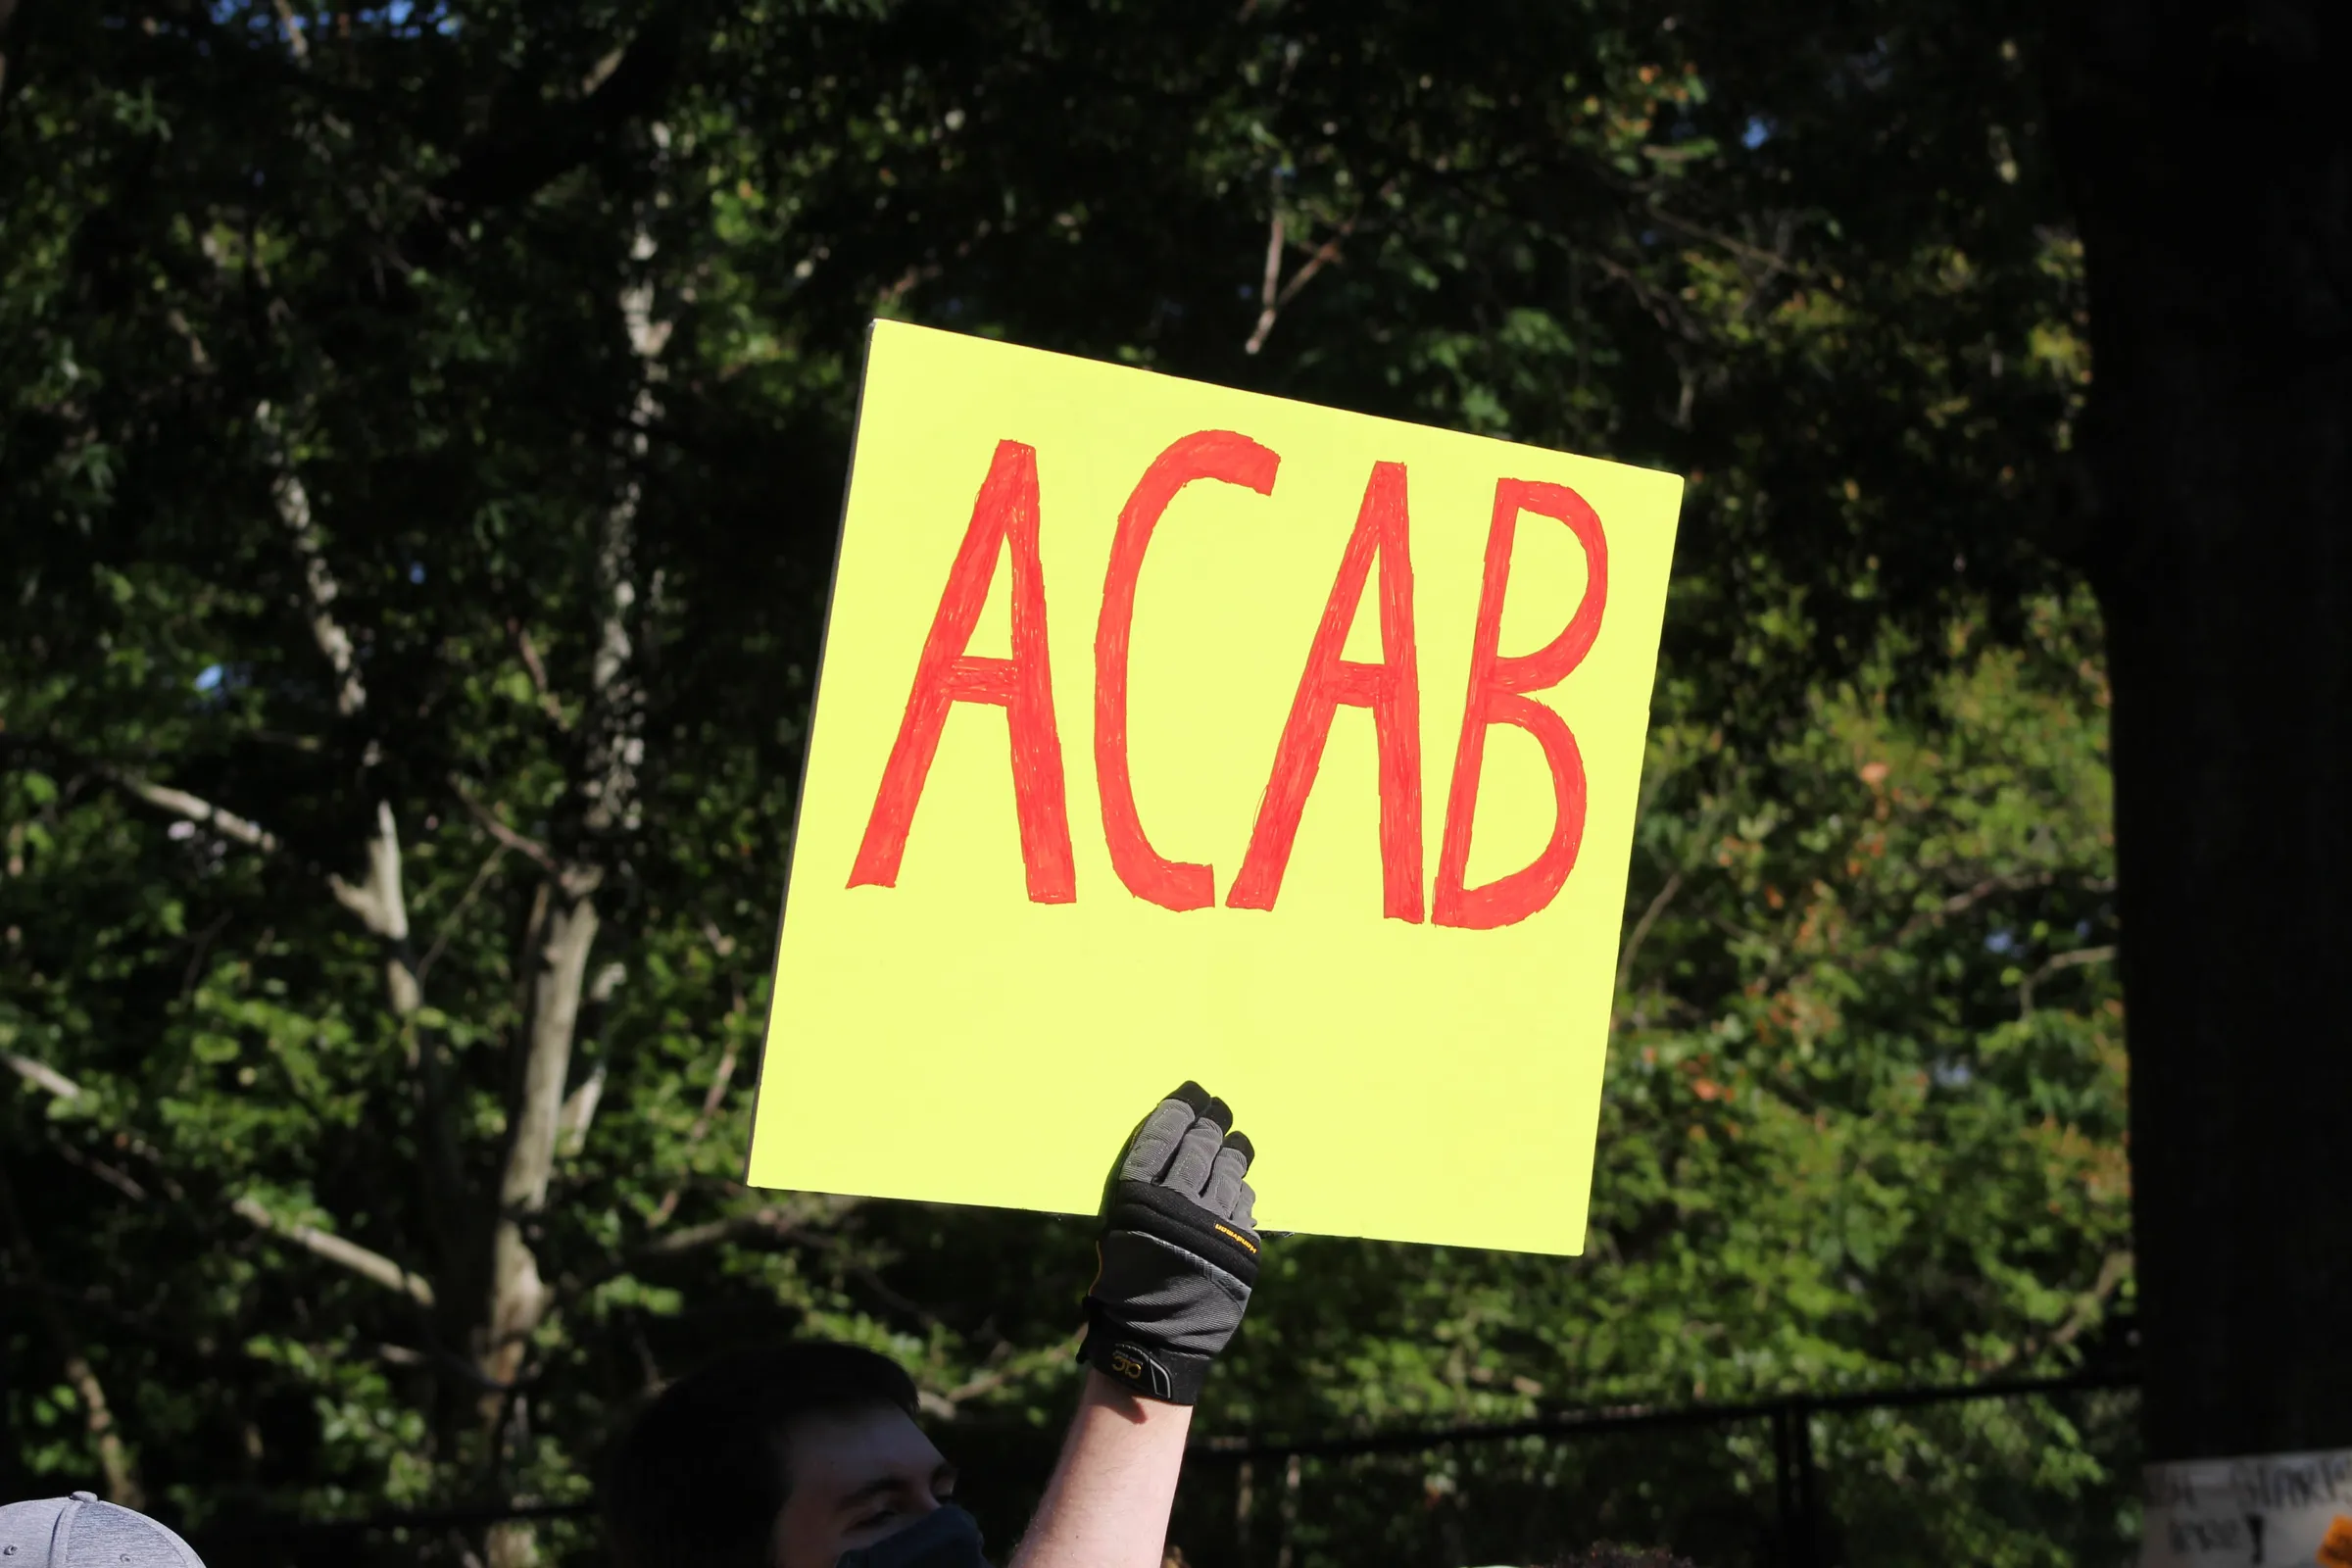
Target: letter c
column 1220, row 454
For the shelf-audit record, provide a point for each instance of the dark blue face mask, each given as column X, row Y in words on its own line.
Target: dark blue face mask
column 945, row 1538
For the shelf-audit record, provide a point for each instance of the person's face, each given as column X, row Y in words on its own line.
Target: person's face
column 856, row 1477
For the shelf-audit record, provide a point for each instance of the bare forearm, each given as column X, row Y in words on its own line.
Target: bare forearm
column 1107, row 1504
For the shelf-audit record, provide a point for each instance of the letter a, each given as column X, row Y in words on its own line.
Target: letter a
column 1006, row 511
column 1497, row 696
column 1392, row 689
column 1219, row 455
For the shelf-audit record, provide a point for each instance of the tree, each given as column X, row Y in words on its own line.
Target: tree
column 420, row 493
column 343, row 555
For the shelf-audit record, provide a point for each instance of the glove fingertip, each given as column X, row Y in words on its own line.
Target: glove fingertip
column 1154, row 1141
column 1192, row 1095
column 1241, row 1141
column 1221, row 1113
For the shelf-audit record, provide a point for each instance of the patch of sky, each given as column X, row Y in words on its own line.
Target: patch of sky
column 399, row 15
column 1756, row 134
column 415, row 572
column 215, row 682
column 1953, row 1074
column 2000, row 942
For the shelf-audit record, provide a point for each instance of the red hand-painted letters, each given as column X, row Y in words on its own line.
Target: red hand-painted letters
column 1006, row 521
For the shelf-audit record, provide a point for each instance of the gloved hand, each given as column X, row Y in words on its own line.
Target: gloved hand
column 1179, row 1253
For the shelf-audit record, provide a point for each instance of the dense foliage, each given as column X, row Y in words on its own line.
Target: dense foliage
column 419, row 446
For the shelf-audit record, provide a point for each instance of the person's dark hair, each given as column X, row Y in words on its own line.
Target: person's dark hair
column 699, row 1478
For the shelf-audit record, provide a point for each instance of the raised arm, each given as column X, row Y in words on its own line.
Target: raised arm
column 1107, row 1504
column 1179, row 1256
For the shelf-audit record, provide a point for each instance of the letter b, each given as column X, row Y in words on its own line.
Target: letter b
column 1498, row 689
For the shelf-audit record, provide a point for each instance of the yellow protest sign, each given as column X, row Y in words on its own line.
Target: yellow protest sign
column 1167, row 731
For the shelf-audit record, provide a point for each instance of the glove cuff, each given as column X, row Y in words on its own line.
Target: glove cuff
column 1127, row 1359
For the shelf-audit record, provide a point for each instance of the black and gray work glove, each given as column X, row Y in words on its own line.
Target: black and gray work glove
column 1179, row 1253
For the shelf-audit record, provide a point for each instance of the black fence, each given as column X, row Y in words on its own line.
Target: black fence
column 1926, row 1475
column 2021, row 1473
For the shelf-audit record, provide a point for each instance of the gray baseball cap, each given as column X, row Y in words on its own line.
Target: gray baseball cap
column 80, row 1532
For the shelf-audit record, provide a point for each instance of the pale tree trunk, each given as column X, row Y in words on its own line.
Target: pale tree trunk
column 292, row 499
column 2210, row 165
column 515, row 1300
column 566, row 935
column 518, row 1296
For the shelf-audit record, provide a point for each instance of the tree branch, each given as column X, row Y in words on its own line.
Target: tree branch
column 296, row 45
column 1641, row 931
column 714, row 1097
column 1959, row 903
column 770, row 1222
column 382, row 906
column 1272, row 301
column 449, row 921
column 2063, row 960
column 530, row 849
column 1325, row 254
column 195, row 808
column 1043, row 1359
column 2087, row 1311
column 519, row 1299
column 1770, row 260
column 293, row 502
column 1265, row 291
column 42, row 1076
column 537, row 670
column 527, row 144
column 379, row 901
column 369, row 1265
column 120, row 1180
column 334, row 1248
column 579, row 1112
column 617, row 744
column 98, row 1417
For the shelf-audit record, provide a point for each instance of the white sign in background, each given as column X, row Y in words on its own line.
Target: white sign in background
column 2281, row 1510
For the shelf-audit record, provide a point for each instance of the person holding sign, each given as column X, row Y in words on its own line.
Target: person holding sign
column 807, row 1455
